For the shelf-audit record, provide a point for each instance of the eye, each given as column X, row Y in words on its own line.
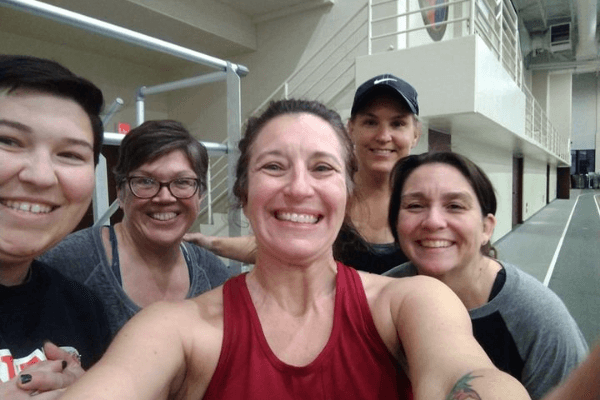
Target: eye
column 9, row 142
column 412, row 206
column 323, row 168
column 184, row 183
column 272, row 167
column 72, row 156
column 456, row 207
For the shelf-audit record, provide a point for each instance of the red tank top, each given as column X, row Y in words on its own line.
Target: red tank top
column 355, row 363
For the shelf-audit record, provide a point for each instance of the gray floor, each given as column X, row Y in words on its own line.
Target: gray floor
column 576, row 274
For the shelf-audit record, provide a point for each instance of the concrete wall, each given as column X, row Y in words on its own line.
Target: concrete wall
column 585, row 113
column 553, row 183
column 534, row 186
column 497, row 164
column 560, row 102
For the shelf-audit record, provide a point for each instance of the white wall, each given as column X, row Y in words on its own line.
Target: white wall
column 585, row 105
column 282, row 45
column 116, row 78
column 534, row 186
column 497, row 164
column 553, row 183
column 560, row 102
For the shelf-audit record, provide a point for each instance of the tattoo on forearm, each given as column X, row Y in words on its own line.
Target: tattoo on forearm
column 463, row 390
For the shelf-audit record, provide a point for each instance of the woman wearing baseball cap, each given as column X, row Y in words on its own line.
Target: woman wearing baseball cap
column 384, row 127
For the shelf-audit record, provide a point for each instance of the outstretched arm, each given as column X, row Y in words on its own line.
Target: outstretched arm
column 445, row 361
column 145, row 361
column 240, row 248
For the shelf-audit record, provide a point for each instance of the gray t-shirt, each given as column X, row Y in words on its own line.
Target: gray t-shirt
column 526, row 330
column 81, row 257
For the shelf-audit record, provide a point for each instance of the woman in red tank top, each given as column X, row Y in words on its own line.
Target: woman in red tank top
column 299, row 325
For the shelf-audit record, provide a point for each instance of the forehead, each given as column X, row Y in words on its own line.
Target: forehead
column 173, row 160
column 437, row 179
column 384, row 100
column 46, row 114
column 300, row 132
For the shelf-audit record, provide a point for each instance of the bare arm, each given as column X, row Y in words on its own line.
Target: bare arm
column 445, row 361
column 146, row 360
column 239, row 248
column 583, row 383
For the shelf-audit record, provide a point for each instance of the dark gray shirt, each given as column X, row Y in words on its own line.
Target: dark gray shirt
column 81, row 257
column 526, row 330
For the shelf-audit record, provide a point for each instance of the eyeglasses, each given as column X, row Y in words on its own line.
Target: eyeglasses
column 144, row 187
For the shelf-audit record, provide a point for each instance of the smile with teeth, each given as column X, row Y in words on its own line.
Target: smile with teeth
column 163, row 216
column 435, row 243
column 300, row 218
column 34, row 208
column 382, row 151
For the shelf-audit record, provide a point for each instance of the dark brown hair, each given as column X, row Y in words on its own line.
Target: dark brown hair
column 47, row 76
column 154, row 139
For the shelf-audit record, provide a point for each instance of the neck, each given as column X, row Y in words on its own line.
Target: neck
column 14, row 274
column 295, row 288
column 162, row 258
column 473, row 284
column 369, row 181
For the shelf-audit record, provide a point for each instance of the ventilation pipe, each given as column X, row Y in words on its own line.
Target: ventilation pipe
column 586, row 20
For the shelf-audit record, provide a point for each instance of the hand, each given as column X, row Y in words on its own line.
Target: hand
column 199, row 239
column 59, row 371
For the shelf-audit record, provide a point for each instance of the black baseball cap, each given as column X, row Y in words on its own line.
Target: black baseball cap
column 390, row 83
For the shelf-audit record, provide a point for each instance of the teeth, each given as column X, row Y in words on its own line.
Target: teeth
column 386, row 151
column 163, row 216
column 436, row 243
column 300, row 218
column 28, row 207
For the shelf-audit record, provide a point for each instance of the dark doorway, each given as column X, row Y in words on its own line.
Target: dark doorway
column 438, row 141
column 517, row 191
column 563, row 182
column 547, row 183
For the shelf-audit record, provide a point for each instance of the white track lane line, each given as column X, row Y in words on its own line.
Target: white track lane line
column 558, row 247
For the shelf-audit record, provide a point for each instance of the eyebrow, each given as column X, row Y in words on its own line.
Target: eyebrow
column 462, row 195
column 27, row 129
column 317, row 154
column 397, row 115
column 15, row 125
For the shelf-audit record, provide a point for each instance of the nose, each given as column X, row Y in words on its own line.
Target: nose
column 164, row 196
column 299, row 185
column 38, row 170
column 384, row 133
column 434, row 219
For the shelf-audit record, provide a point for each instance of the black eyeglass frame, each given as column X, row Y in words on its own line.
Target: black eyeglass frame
column 161, row 185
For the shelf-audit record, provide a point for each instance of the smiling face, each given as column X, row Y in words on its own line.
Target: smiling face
column 161, row 220
column 440, row 225
column 383, row 132
column 46, row 172
column 296, row 188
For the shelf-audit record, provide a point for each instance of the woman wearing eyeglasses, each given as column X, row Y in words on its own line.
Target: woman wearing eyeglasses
column 161, row 178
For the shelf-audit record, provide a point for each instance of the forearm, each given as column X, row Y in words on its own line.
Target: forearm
column 241, row 248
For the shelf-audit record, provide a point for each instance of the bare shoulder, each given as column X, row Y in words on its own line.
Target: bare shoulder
column 399, row 304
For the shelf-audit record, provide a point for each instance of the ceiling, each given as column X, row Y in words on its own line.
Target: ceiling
column 576, row 49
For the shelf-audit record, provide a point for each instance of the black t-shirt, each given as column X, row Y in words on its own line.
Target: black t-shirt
column 49, row 307
column 352, row 250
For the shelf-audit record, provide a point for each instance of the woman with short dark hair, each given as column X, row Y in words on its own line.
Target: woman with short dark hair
column 442, row 213
column 161, row 178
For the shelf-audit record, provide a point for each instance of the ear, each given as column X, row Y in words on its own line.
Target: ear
column 489, row 223
column 418, row 132
column 120, row 195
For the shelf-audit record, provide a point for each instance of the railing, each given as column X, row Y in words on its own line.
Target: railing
column 397, row 24
column 330, row 69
